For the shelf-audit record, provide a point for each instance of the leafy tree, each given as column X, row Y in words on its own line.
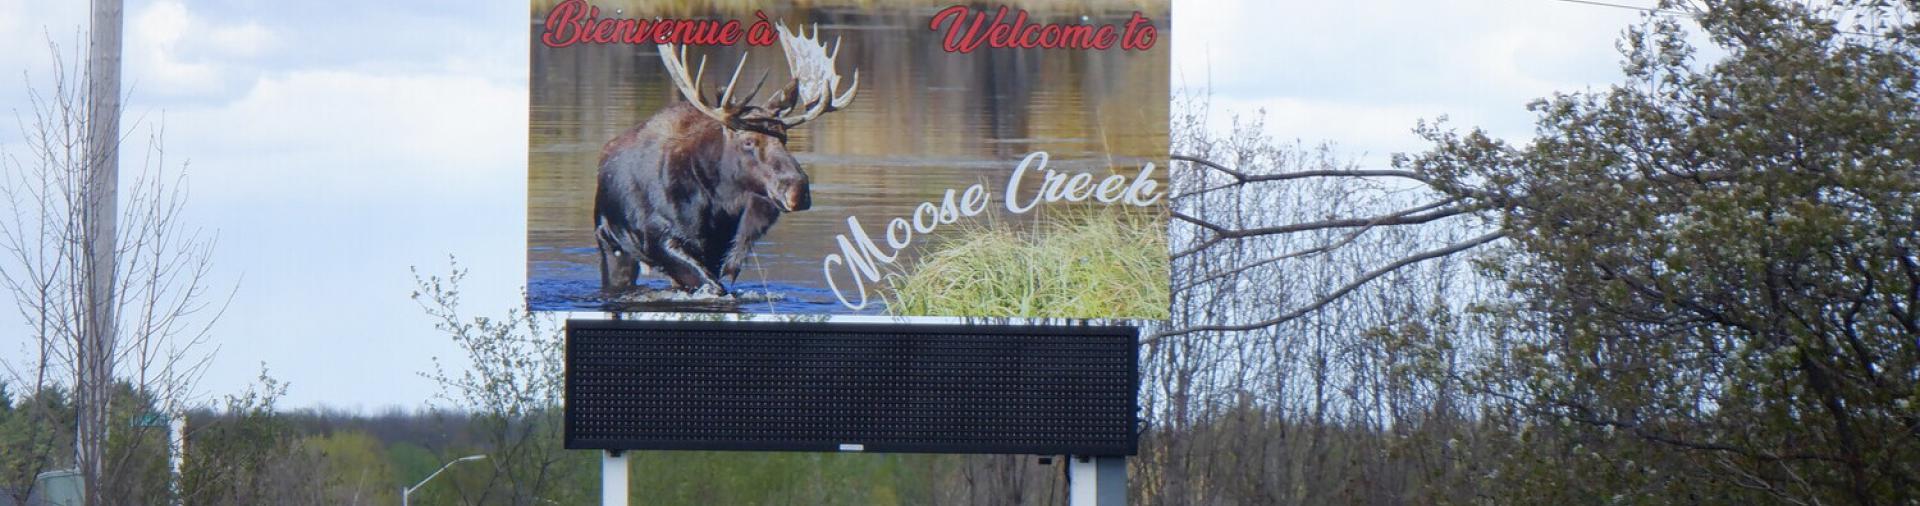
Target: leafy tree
column 1716, row 265
column 1705, row 285
column 358, row 472
column 33, row 430
column 249, row 453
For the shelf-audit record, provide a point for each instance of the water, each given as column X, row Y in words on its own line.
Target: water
column 924, row 121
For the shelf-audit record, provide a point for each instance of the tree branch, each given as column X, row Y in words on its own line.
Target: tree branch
column 1337, row 294
column 1344, row 240
column 1414, row 216
column 1243, row 177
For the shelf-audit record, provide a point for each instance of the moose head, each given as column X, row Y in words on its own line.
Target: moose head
column 755, row 133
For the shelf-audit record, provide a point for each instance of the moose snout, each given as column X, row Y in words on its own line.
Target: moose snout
column 795, row 195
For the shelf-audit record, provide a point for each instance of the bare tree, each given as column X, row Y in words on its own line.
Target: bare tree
column 149, row 326
column 1270, row 384
column 511, row 391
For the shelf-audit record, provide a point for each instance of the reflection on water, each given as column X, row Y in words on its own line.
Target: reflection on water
column 924, row 121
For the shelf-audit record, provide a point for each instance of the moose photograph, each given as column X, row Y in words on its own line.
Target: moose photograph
column 691, row 177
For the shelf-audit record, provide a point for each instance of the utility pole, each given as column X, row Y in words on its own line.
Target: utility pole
column 94, row 363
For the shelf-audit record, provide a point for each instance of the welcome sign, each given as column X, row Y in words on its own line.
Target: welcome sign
column 899, row 158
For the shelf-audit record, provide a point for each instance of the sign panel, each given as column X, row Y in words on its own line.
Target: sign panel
column 787, row 386
column 849, row 157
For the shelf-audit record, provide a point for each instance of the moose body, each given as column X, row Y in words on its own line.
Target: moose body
column 690, row 190
column 682, row 194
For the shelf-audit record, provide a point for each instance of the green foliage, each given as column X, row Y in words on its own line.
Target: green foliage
column 358, row 470
column 36, row 433
column 232, row 459
column 138, row 471
column 410, row 462
column 693, row 478
column 1084, row 265
column 1716, row 265
column 36, row 436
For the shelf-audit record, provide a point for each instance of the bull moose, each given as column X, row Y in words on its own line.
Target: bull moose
column 690, row 190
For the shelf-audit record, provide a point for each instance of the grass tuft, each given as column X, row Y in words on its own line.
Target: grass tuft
column 1083, row 265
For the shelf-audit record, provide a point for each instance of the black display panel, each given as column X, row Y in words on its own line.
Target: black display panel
column 809, row 386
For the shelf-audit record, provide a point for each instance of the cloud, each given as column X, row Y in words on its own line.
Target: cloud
column 327, row 162
column 1249, row 46
column 172, row 51
column 1357, row 128
column 25, row 27
column 247, row 40
column 348, row 133
column 11, row 21
column 1361, row 74
column 324, row 186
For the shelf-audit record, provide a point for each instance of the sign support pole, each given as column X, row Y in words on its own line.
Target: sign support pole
column 177, row 458
column 613, row 477
column 1097, row 481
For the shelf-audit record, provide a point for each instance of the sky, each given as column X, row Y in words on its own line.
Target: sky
column 332, row 145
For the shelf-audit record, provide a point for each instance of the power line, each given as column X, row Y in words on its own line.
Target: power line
column 1670, row 12
column 1628, row 7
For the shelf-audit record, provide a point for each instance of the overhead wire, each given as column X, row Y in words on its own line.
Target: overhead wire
column 1670, row 12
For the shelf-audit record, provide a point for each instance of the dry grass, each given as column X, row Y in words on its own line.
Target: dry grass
column 1084, row 265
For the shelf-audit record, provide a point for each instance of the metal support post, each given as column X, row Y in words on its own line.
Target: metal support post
column 613, row 477
column 1097, row 481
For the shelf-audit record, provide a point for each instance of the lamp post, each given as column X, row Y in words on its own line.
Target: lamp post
column 407, row 491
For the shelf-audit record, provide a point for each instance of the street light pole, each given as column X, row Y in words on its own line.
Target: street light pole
column 407, row 491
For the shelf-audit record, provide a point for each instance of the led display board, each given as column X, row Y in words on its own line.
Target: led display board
column 823, row 386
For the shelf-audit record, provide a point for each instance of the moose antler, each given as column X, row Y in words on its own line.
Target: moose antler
column 675, row 58
column 814, row 78
column 805, row 98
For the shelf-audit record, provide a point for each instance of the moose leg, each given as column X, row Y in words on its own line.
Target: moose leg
column 686, row 271
column 618, row 268
column 759, row 217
